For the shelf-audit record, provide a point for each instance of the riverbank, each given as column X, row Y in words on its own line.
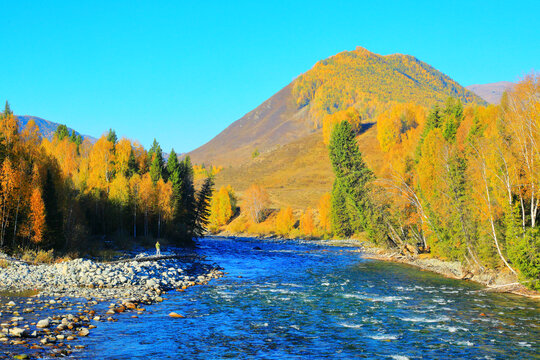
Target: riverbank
column 493, row 280
column 71, row 298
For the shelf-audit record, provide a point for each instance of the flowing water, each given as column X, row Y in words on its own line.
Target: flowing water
column 292, row 300
column 297, row 300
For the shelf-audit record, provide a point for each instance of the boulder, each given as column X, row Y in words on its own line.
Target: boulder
column 45, row 323
column 17, row 332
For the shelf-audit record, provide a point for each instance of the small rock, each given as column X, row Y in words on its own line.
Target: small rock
column 176, row 315
column 45, row 323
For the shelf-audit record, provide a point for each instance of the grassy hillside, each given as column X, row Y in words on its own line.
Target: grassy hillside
column 296, row 174
column 359, row 79
column 275, row 122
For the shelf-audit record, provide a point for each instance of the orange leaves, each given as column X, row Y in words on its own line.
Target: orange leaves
column 37, row 216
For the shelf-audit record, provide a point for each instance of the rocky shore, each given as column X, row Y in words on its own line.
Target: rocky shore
column 71, row 298
column 496, row 281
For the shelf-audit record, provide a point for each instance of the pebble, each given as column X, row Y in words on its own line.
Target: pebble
column 176, row 315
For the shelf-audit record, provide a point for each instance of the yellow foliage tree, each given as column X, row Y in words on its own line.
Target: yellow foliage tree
column 101, row 165
column 284, row 221
column 37, row 216
column 221, row 207
column 396, row 121
column 325, row 221
column 122, row 154
column 307, row 223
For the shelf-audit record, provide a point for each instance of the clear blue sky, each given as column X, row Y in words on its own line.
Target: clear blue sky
column 182, row 71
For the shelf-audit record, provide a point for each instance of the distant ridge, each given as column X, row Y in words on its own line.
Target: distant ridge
column 46, row 127
column 356, row 78
column 492, row 92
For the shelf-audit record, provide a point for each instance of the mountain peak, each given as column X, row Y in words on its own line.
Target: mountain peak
column 359, row 78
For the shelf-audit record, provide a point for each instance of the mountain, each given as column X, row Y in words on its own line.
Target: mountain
column 46, row 127
column 356, row 78
column 492, row 93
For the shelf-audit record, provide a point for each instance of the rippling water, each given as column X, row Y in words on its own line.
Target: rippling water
column 294, row 300
column 290, row 300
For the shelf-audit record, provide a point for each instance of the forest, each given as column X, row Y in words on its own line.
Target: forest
column 458, row 182
column 68, row 194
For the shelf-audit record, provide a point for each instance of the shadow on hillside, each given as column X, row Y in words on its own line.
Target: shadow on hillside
column 365, row 127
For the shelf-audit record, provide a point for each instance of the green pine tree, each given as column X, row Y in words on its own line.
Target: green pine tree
column 202, row 208
column 61, row 132
column 351, row 195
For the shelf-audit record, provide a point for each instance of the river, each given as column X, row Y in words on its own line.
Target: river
column 295, row 300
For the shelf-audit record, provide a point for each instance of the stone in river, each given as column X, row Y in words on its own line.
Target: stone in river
column 17, row 332
column 43, row 323
column 84, row 332
column 176, row 315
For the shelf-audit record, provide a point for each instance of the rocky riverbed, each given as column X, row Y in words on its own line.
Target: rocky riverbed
column 71, row 298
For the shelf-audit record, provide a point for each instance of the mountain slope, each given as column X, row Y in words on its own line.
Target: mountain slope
column 492, row 92
column 296, row 174
column 276, row 121
column 356, row 78
column 46, row 127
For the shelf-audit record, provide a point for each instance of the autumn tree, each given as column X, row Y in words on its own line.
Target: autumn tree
column 307, row 222
column 164, row 203
column 284, row 221
column 255, row 202
column 37, row 216
column 221, row 207
column 325, row 218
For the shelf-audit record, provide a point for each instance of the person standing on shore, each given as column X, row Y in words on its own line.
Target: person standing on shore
column 158, row 251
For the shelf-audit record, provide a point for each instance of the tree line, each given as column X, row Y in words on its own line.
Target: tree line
column 460, row 183
column 68, row 192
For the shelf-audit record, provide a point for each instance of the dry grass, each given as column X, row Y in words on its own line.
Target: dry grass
column 296, row 174
column 4, row 263
column 38, row 256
